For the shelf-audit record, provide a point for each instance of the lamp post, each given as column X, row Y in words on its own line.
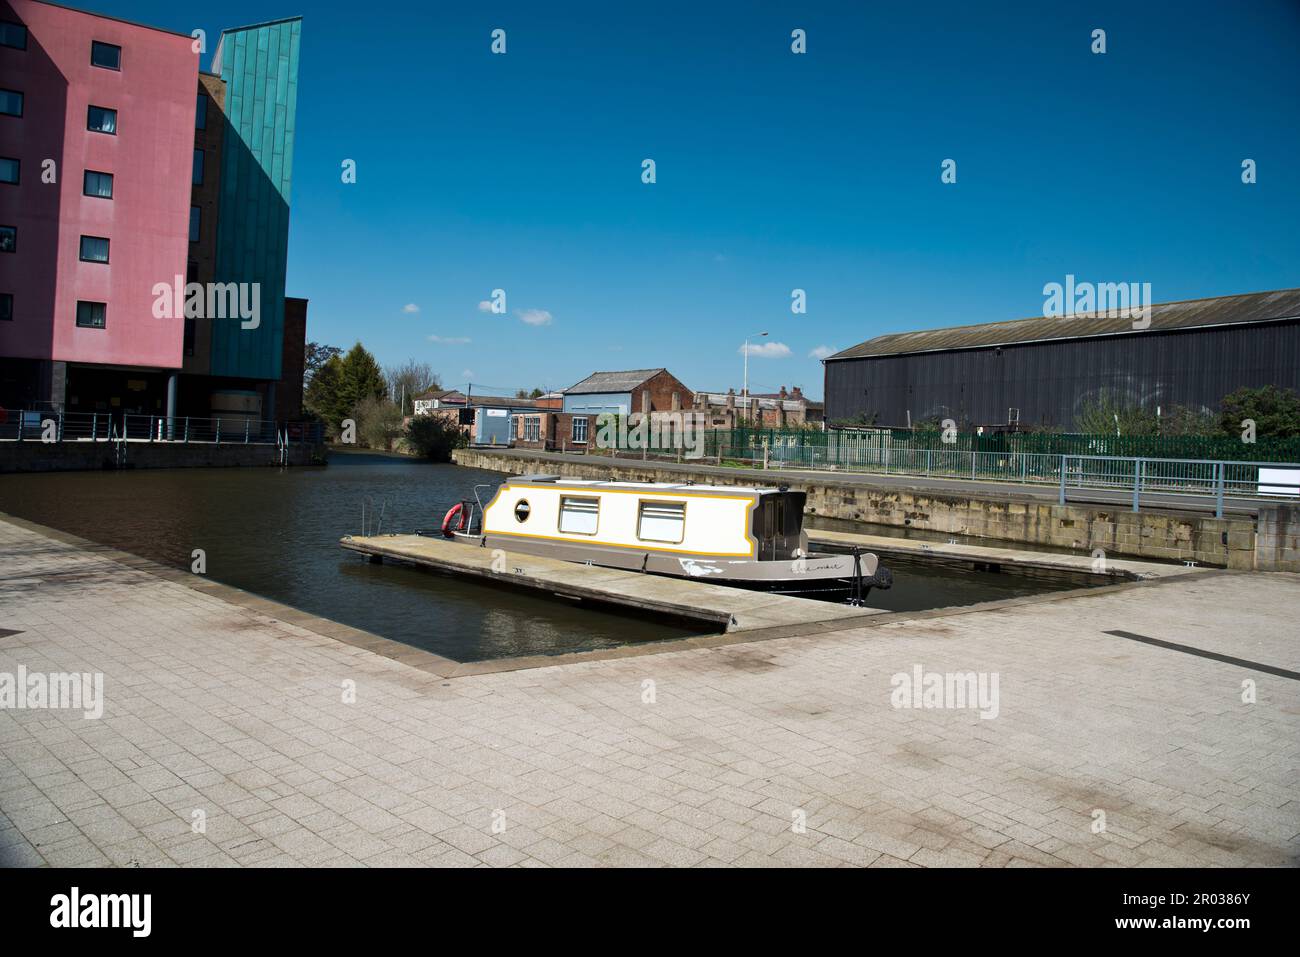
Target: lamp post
column 744, row 389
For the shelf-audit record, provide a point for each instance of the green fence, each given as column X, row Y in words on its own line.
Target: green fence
column 847, row 448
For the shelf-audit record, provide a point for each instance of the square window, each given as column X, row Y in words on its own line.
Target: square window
column 11, row 103
column 97, row 184
column 197, row 178
column 6, row 307
column 94, row 249
column 13, row 35
column 579, row 516
column 661, row 522
column 105, row 55
column 8, row 239
column 8, row 170
column 201, row 113
column 100, row 119
column 196, row 223
column 91, row 315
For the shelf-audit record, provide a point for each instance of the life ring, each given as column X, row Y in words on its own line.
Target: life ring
column 455, row 514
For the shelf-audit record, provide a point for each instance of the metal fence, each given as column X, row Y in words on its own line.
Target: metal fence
column 907, row 453
column 37, row 426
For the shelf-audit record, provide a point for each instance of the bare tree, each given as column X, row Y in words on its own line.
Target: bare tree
column 408, row 380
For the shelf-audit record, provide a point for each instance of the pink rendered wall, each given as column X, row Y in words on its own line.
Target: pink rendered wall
column 147, row 220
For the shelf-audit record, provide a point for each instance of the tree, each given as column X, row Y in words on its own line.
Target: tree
column 1276, row 412
column 1185, row 420
column 408, row 380
column 361, row 378
column 315, row 356
column 434, row 436
column 1107, row 414
column 379, row 421
column 323, row 395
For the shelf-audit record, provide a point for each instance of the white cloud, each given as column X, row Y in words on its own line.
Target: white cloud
column 485, row 306
column 535, row 317
column 467, row 374
column 450, row 340
column 767, row 350
column 821, row 352
column 410, row 307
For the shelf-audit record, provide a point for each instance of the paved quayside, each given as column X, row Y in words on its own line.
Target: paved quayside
column 679, row 755
column 717, row 606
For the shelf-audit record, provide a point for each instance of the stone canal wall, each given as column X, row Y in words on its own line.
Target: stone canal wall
column 94, row 456
column 1231, row 541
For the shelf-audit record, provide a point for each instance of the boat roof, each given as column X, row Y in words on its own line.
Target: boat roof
column 597, row 485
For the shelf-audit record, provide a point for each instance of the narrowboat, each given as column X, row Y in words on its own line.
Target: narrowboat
column 744, row 536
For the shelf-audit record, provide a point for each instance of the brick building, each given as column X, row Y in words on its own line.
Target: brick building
column 631, row 393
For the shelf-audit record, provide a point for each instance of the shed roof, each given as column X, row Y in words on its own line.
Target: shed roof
column 1165, row 316
column 625, row 381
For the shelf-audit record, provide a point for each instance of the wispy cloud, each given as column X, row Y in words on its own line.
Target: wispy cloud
column 450, row 340
column 766, row 350
column 467, row 374
column 821, row 352
column 410, row 307
column 535, row 317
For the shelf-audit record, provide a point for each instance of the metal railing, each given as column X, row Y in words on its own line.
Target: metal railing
column 37, row 426
column 1139, row 477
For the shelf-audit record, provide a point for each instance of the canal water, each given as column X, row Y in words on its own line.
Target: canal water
column 275, row 533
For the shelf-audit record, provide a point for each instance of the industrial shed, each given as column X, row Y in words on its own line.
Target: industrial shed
column 1042, row 372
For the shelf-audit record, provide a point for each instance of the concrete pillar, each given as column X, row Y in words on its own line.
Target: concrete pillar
column 171, row 404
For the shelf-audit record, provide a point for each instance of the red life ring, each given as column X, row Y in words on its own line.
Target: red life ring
column 458, row 514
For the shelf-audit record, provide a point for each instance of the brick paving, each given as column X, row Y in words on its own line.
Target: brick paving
column 222, row 709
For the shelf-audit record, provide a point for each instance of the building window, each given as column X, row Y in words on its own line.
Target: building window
column 579, row 516
column 201, row 113
column 8, row 239
column 6, row 307
column 8, row 170
column 661, row 522
column 97, row 184
column 94, row 249
column 100, row 119
column 197, row 178
column 11, row 103
column 105, row 55
column 196, row 223
column 191, row 271
column 532, row 428
column 189, row 336
column 580, row 428
column 13, row 35
column 91, row 315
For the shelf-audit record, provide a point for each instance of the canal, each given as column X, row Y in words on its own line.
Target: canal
column 275, row 533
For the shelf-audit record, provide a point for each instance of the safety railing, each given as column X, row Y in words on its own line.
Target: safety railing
column 40, row 426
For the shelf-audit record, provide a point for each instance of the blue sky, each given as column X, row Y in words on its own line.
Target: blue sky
column 775, row 171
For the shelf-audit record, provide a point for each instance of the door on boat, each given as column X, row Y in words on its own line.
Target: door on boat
column 777, row 523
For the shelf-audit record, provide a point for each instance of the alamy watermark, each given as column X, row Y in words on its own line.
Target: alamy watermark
column 64, row 690
column 1115, row 300
column 658, row 431
column 947, row 690
column 212, row 300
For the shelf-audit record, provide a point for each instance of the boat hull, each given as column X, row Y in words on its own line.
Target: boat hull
column 813, row 573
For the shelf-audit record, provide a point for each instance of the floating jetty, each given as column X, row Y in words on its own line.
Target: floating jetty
column 717, row 607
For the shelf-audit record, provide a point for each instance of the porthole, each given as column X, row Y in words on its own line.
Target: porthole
column 522, row 510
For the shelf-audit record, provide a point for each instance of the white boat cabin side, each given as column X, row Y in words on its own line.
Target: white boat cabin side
column 722, row 521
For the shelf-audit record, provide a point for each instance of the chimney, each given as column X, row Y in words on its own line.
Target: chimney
column 797, row 393
column 784, row 394
column 731, row 399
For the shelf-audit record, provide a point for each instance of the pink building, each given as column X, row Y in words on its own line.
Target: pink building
column 97, row 128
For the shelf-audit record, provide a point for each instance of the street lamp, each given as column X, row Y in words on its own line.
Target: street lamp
column 744, row 389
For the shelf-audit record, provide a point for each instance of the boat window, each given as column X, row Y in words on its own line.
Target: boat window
column 522, row 510
column 661, row 522
column 579, row 515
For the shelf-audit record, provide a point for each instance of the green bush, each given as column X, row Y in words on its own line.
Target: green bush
column 433, row 437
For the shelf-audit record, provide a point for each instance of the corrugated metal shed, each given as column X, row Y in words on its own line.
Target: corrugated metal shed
column 626, row 381
column 1188, row 314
